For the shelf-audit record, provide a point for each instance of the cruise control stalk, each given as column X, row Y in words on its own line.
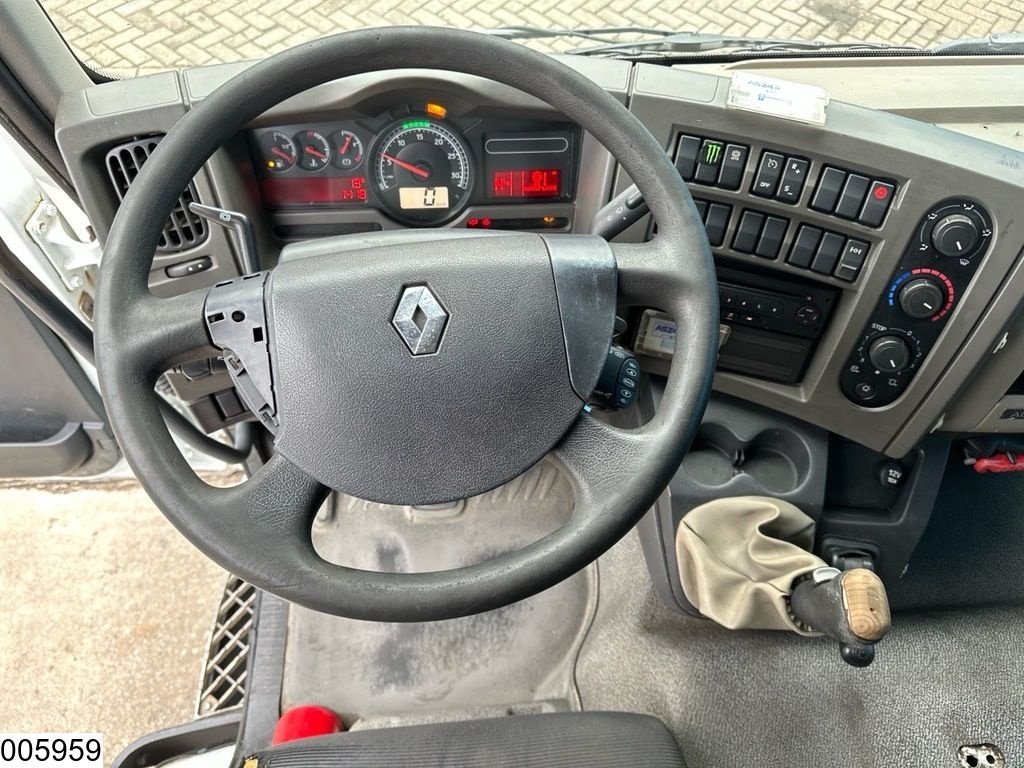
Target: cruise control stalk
column 625, row 209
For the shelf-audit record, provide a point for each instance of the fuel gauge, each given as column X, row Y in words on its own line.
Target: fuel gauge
column 279, row 152
column 314, row 150
column 348, row 154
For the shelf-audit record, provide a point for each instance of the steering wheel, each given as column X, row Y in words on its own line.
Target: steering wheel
column 526, row 322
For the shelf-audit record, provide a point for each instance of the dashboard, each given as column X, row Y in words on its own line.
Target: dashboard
column 869, row 268
column 419, row 165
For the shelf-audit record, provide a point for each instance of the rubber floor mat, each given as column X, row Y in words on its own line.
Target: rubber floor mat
column 513, row 657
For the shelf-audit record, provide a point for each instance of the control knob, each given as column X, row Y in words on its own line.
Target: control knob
column 955, row 235
column 921, row 298
column 889, row 354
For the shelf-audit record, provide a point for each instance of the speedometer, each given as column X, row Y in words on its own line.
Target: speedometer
column 422, row 171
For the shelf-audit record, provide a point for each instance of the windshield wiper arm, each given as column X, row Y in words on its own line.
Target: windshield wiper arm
column 599, row 34
column 997, row 42
column 668, row 43
column 682, row 43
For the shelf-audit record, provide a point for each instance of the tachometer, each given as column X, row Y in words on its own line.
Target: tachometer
column 422, row 171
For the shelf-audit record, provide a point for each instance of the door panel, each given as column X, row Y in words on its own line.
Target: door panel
column 51, row 417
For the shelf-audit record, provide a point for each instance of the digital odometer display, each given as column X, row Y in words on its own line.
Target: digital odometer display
column 281, row 192
column 416, row 198
column 528, row 183
column 422, row 171
column 529, row 166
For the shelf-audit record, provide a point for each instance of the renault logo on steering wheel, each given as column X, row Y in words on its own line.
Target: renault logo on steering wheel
column 420, row 320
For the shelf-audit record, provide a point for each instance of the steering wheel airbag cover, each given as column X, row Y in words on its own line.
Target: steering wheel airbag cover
column 360, row 413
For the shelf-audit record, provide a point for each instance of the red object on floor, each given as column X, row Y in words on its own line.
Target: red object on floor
column 305, row 722
column 998, row 462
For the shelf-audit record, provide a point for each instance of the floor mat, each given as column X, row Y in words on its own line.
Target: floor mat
column 940, row 681
column 972, row 552
column 516, row 657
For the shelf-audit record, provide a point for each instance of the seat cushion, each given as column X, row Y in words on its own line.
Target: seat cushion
column 562, row 740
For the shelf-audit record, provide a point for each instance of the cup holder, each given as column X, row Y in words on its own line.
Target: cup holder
column 775, row 460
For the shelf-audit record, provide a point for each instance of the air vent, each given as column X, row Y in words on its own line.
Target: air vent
column 183, row 229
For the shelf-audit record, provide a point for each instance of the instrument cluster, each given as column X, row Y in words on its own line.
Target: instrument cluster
column 417, row 164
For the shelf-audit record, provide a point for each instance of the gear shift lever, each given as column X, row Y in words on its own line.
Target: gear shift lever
column 848, row 606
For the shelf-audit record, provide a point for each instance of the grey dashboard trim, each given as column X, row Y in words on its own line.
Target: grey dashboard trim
column 923, row 158
column 970, row 359
column 982, row 399
column 161, row 90
column 199, row 82
column 84, row 136
column 967, row 90
column 38, row 55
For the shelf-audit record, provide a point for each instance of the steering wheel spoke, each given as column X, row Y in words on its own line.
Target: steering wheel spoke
column 599, row 457
column 162, row 332
column 268, row 517
column 653, row 274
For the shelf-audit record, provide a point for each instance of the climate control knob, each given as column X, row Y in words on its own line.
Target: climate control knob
column 955, row 235
column 921, row 298
column 889, row 354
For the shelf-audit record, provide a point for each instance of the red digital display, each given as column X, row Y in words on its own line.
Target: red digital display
column 530, row 182
column 278, row 193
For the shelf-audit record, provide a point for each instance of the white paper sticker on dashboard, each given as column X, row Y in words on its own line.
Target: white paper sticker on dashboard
column 779, row 98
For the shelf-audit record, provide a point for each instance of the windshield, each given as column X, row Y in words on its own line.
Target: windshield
column 144, row 36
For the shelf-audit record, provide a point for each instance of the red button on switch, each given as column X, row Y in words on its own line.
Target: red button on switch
column 876, row 204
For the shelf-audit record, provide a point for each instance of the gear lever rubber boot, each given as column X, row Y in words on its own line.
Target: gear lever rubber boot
column 739, row 558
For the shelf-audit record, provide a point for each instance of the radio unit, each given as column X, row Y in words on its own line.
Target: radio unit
column 774, row 325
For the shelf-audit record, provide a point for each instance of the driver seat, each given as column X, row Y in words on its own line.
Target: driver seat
column 560, row 740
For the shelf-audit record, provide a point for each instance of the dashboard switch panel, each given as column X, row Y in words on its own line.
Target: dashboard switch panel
column 711, row 162
column 828, row 253
column 852, row 196
column 935, row 270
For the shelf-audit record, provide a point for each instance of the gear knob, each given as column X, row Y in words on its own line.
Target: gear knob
column 848, row 606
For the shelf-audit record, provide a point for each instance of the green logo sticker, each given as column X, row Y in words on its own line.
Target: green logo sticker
column 712, row 152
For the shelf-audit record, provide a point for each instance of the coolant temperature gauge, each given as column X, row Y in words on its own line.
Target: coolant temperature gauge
column 314, row 150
